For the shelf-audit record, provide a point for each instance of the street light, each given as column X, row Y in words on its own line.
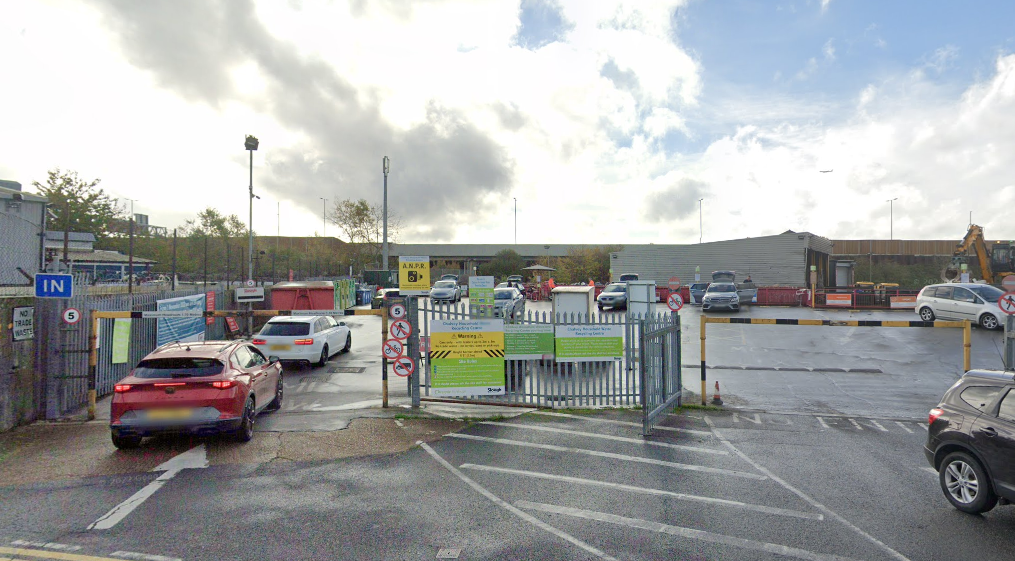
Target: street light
column 891, row 226
column 516, row 219
column 387, row 165
column 324, row 214
column 699, row 220
column 250, row 144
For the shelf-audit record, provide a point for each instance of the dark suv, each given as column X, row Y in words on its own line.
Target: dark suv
column 971, row 441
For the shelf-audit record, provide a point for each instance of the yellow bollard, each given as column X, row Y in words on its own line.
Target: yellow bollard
column 703, row 323
column 967, row 343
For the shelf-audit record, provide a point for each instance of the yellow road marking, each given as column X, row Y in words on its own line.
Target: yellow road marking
column 46, row 554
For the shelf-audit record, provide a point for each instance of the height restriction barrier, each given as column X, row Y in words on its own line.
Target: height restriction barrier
column 965, row 325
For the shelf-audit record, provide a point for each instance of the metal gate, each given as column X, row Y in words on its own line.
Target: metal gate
column 648, row 376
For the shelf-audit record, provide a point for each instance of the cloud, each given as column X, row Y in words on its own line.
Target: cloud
column 676, row 202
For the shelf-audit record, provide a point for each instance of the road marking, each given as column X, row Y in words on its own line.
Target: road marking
column 827, row 415
column 929, row 470
column 804, row 496
column 756, row 420
column 47, row 545
column 399, row 423
column 623, row 423
column 624, row 457
column 609, row 437
column 647, row 491
column 878, row 425
column 822, row 421
column 924, row 427
column 143, row 556
column 49, row 554
column 196, row 457
column 356, row 405
column 689, row 533
column 855, row 424
column 904, row 427
column 512, row 509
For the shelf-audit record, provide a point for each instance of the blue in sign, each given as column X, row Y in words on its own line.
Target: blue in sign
column 54, row 286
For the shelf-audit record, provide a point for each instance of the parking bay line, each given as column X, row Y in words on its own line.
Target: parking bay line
column 682, row 532
column 623, row 423
column 623, row 457
column 49, row 554
column 610, row 437
column 646, row 491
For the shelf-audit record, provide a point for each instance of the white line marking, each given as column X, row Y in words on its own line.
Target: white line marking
column 831, row 415
column 142, row 556
column 822, row 421
column 624, row 457
column 855, row 424
column 682, row 532
column 805, row 497
column 120, row 511
column 904, row 427
column 648, row 491
column 878, row 425
column 399, row 423
column 638, row 441
column 624, row 423
column 503, row 504
column 929, row 469
column 924, row 427
column 756, row 420
column 47, row 545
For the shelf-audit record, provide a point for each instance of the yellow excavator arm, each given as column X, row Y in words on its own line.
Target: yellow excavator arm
column 974, row 239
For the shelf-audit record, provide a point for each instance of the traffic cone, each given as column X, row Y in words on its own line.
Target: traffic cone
column 716, row 400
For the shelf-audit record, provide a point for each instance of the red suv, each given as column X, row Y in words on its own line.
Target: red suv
column 201, row 387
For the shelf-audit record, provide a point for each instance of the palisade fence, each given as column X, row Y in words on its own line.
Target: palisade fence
column 647, row 376
column 62, row 348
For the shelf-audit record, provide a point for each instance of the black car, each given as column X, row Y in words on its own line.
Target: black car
column 971, row 441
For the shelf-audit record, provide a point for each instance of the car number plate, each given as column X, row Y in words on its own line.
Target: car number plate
column 162, row 414
column 278, row 347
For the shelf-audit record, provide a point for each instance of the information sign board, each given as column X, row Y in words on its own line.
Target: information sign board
column 413, row 275
column 23, row 323
column 588, row 343
column 467, row 357
column 481, row 296
column 528, row 341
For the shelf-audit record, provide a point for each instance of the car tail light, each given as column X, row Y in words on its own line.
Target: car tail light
column 259, row 342
column 934, row 414
column 223, row 384
column 303, row 342
column 120, row 388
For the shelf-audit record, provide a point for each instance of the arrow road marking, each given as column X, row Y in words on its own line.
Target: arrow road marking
column 194, row 458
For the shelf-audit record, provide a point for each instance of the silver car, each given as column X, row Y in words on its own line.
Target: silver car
column 721, row 296
column 959, row 301
column 613, row 296
column 445, row 291
column 508, row 303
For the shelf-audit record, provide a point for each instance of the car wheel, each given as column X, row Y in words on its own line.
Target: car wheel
column 276, row 403
column 126, row 442
column 927, row 314
column 348, row 343
column 246, row 431
column 989, row 321
column 965, row 484
column 324, row 356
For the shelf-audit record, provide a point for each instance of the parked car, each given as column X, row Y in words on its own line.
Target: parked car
column 304, row 338
column 384, row 297
column 697, row 291
column 628, row 277
column 516, row 279
column 613, row 296
column 446, row 291
column 959, row 301
column 199, row 387
column 451, row 277
column 971, row 441
column 508, row 303
column 721, row 296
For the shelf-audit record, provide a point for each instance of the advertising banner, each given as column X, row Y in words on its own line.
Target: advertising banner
column 522, row 342
column 181, row 329
column 121, row 340
column 209, row 299
column 481, row 296
column 588, row 343
column 467, row 357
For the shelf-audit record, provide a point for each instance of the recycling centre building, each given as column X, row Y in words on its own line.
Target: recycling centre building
column 781, row 260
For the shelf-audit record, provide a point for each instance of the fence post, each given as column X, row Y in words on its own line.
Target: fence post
column 1009, row 343
column 412, row 344
column 646, row 427
column 702, row 335
column 92, row 362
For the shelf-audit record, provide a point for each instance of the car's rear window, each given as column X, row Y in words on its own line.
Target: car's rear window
column 503, row 294
column 444, row 284
column 286, row 328
column 980, row 396
column 178, row 367
column 615, row 288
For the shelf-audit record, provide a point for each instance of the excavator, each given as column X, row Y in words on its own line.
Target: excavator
column 996, row 261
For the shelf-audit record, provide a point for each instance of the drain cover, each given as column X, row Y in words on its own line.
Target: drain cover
column 449, row 553
column 346, row 370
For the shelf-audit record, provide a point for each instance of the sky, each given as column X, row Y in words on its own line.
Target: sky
column 612, row 122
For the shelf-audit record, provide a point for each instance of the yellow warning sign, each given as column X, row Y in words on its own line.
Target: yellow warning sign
column 414, row 275
column 482, row 344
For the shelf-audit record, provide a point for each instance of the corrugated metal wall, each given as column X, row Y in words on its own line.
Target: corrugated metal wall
column 770, row 260
column 895, row 247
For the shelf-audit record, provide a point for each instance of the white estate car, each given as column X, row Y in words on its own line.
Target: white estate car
column 959, row 301
column 303, row 338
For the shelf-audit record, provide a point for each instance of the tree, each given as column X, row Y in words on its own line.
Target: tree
column 79, row 205
column 584, row 263
column 210, row 222
column 363, row 225
column 505, row 262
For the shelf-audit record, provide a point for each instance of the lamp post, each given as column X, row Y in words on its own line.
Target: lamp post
column 250, row 144
column 386, row 163
column 699, row 221
column 891, row 219
column 516, row 220
column 324, row 216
